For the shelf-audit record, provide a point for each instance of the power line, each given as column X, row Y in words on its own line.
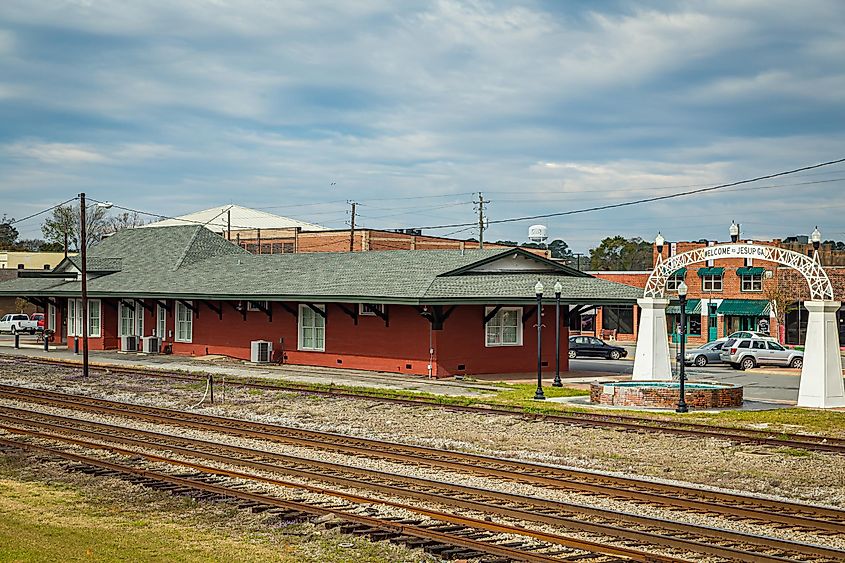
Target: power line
column 644, row 200
column 43, row 211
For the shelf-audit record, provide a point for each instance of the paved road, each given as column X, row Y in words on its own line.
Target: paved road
column 758, row 386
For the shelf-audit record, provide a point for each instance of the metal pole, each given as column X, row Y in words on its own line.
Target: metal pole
column 538, row 395
column 557, row 382
column 83, row 243
column 682, row 404
column 352, row 227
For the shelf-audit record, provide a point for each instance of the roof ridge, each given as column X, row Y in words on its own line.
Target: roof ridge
column 188, row 247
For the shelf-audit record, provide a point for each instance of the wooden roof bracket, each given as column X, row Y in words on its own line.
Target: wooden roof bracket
column 489, row 316
column 150, row 308
column 290, row 310
column 240, row 307
column 216, row 308
column 190, row 307
column 353, row 312
column 268, row 310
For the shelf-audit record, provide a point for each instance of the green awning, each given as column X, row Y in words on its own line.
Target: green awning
column 693, row 308
column 715, row 271
column 749, row 271
column 681, row 273
column 745, row 307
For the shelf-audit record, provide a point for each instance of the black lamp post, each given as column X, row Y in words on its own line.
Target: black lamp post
column 558, row 290
column 682, row 295
column 538, row 290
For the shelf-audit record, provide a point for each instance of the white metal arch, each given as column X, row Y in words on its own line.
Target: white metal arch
column 810, row 268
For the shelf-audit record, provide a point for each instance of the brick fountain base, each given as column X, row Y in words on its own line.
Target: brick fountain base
column 664, row 394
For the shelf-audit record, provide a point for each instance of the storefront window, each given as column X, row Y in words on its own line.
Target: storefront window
column 618, row 318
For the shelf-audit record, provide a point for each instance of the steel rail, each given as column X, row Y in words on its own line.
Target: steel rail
column 332, row 471
column 617, row 422
column 732, row 504
column 497, row 528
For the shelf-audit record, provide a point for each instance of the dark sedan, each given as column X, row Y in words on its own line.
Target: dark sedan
column 589, row 346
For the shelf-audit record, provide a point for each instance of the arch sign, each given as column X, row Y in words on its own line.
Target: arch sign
column 821, row 376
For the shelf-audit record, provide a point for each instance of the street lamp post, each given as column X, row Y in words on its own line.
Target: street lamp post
column 83, row 259
column 558, row 290
column 734, row 231
column 816, row 237
column 682, row 295
column 538, row 290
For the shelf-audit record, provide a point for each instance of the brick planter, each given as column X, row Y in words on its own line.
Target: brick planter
column 664, row 395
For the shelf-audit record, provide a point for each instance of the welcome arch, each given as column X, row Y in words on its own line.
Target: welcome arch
column 821, row 376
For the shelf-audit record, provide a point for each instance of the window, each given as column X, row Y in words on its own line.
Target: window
column 256, row 305
column 51, row 317
column 711, row 283
column 312, row 328
column 758, row 345
column 93, row 317
column 287, row 248
column 184, row 323
column 161, row 322
column 74, row 319
column 369, row 309
column 752, row 282
column 673, row 282
column 775, row 346
column 505, row 328
column 744, row 344
column 126, row 326
column 20, row 266
column 618, row 318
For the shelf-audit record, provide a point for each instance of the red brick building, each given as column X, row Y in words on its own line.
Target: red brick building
column 442, row 312
column 733, row 294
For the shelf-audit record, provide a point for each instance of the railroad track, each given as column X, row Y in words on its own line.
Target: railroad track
column 790, row 515
column 605, row 525
column 447, row 535
column 599, row 420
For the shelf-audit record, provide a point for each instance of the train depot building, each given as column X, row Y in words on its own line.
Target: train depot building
column 186, row 290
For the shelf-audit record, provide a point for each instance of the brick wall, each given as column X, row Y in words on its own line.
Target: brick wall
column 665, row 396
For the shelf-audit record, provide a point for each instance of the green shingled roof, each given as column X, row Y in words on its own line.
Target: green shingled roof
column 190, row 262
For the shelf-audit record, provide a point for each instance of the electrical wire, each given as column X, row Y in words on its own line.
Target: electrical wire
column 43, row 211
column 644, row 200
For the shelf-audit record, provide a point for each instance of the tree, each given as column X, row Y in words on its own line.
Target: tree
column 783, row 302
column 560, row 249
column 37, row 245
column 507, row 242
column 619, row 253
column 64, row 221
column 124, row 220
column 8, row 233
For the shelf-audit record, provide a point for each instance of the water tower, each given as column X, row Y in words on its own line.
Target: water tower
column 538, row 234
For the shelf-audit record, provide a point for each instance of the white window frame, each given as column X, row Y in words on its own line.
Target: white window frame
column 519, row 327
column 712, row 279
column 250, row 305
column 748, row 282
column 74, row 320
column 51, row 317
column 187, row 322
column 366, row 309
column 161, row 322
column 320, row 323
column 672, row 282
column 132, row 314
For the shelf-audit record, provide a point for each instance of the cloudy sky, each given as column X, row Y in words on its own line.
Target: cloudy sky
column 409, row 108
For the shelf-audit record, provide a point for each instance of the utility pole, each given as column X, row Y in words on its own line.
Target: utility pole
column 578, row 256
column 481, row 201
column 352, row 227
column 229, row 225
column 84, row 268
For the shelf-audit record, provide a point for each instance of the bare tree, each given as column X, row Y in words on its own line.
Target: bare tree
column 125, row 220
column 63, row 224
column 782, row 302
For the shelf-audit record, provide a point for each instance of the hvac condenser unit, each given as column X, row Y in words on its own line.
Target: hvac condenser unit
column 262, row 351
column 150, row 344
column 129, row 343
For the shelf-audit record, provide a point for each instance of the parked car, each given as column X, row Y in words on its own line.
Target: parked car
column 746, row 353
column 589, row 346
column 751, row 334
column 18, row 322
column 39, row 318
column 704, row 354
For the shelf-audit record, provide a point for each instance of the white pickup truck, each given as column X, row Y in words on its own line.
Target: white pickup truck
column 18, row 322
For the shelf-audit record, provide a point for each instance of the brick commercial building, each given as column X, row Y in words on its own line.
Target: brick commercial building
column 730, row 295
column 440, row 312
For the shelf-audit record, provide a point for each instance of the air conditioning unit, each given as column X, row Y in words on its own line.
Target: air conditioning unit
column 150, row 344
column 261, row 351
column 129, row 343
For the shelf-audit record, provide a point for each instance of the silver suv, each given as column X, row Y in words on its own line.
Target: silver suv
column 746, row 353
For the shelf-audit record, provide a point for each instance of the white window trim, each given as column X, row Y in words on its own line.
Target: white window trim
column 190, row 321
column 363, row 309
column 751, row 279
column 519, row 327
column 712, row 279
column 51, row 317
column 299, row 345
column 97, row 305
column 133, row 310
column 74, row 321
column 161, row 322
